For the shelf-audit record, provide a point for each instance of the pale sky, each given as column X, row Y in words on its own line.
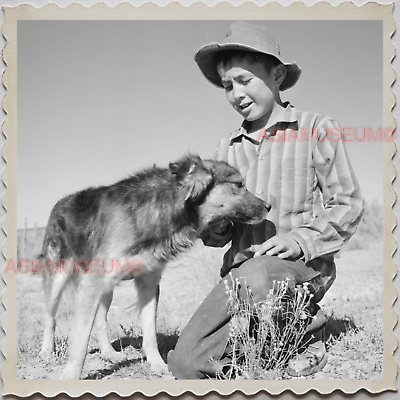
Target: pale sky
column 100, row 100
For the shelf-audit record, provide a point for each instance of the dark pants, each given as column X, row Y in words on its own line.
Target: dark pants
column 202, row 345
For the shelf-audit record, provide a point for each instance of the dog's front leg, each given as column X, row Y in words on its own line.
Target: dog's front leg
column 148, row 291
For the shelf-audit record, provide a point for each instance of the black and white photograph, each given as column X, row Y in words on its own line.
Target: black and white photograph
column 203, row 199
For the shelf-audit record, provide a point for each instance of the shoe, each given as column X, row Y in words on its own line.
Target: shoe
column 312, row 359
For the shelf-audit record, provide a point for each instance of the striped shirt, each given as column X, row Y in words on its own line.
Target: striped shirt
column 299, row 165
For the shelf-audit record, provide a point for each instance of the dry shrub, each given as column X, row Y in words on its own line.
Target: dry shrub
column 265, row 335
column 61, row 350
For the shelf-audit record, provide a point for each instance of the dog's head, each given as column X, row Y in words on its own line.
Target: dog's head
column 229, row 198
column 194, row 179
column 217, row 191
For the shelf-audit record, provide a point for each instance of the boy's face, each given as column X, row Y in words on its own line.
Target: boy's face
column 250, row 89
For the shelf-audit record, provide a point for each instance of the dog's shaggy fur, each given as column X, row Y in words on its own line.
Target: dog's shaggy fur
column 130, row 230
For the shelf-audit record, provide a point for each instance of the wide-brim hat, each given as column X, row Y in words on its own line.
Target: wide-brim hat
column 244, row 36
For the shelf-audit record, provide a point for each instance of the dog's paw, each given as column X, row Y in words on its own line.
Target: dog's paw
column 159, row 368
column 70, row 373
column 53, row 376
column 46, row 356
column 114, row 356
column 168, row 376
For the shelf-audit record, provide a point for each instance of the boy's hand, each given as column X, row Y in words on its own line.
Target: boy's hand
column 284, row 246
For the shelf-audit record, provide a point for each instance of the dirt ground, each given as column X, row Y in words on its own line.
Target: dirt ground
column 353, row 304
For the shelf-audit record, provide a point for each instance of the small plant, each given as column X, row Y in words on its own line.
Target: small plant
column 265, row 335
column 128, row 332
column 61, row 350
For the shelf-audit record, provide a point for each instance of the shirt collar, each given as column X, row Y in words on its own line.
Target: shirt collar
column 285, row 114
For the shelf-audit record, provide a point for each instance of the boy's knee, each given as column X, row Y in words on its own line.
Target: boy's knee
column 181, row 364
column 194, row 363
column 260, row 274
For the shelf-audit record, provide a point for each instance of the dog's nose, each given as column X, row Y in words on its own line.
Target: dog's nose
column 268, row 207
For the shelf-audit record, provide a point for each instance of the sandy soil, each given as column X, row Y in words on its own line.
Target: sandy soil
column 354, row 307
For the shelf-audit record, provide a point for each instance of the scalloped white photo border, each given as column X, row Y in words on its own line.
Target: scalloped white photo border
column 175, row 11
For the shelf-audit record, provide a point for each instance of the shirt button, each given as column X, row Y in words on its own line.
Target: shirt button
column 261, row 157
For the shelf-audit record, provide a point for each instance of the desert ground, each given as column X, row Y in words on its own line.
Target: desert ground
column 353, row 305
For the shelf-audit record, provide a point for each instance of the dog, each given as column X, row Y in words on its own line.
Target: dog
column 130, row 230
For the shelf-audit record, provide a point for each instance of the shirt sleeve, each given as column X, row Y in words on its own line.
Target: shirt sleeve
column 332, row 226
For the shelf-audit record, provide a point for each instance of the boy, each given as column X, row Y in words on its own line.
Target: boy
column 289, row 159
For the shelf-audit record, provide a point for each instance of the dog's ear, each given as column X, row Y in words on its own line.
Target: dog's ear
column 185, row 166
column 223, row 172
column 175, row 167
column 193, row 177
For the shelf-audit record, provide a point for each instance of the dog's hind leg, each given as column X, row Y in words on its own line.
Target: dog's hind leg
column 107, row 351
column 147, row 285
column 54, row 285
column 87, row 301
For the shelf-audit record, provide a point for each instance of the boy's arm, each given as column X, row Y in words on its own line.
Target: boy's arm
column 343, row 204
